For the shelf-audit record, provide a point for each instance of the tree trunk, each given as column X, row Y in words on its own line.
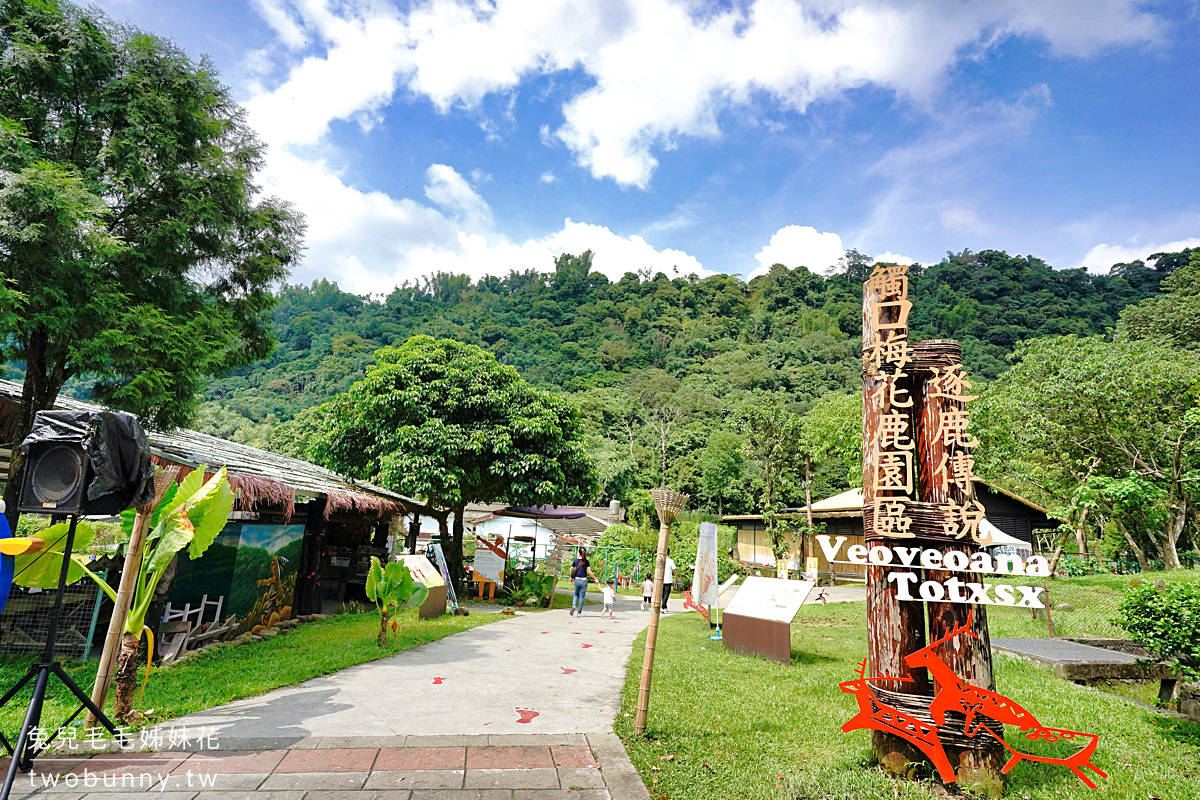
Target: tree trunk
column 127, row 668
column 1137, row 551
column 452, row 545
column 1063, row 540
column 1171, row 540
column 383, row 621
column 805, row 542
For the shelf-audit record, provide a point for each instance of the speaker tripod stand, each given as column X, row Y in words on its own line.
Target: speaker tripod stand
column 25, row 750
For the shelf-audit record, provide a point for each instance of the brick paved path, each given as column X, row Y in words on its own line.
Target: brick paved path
column 503, row 767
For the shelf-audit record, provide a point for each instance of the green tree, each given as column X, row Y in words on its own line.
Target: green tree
column 830, row 434
column 1074, row 410
column 1174, row 316
column 442, row 420
column 771, row 440
column 134, row 252
column 721, row 466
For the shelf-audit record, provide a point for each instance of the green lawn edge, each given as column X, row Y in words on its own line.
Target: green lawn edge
column 739, row 727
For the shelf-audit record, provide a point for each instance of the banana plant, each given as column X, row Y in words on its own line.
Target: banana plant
column 40, row 569
column 191, row 515
column 540, row 586
column 391, row 588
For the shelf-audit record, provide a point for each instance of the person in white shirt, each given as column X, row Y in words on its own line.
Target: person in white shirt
column 610, row 599
column 647, row 593
column 668, row 580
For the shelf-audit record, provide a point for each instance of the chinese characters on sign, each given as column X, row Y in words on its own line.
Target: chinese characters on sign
column 892, row 473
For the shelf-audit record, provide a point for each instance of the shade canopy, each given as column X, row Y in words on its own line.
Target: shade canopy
column 542, row 512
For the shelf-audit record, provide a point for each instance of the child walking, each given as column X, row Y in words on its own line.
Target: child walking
column 610, row 599
column 647, row 593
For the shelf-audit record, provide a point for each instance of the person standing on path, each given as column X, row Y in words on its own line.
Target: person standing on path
column 668, row 580
column 581, row 568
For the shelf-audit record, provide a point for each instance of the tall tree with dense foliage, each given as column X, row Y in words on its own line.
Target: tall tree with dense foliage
column 830, row 435
column 1111, row 424
column 1173, row 316
column 134, row 251
column 444, row 421
column 771, row 441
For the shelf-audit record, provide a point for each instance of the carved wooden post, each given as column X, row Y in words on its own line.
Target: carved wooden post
column 894, row 629
column 945, row 473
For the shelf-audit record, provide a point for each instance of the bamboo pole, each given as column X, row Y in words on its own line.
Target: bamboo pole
column 668, row 503
column 163, row 478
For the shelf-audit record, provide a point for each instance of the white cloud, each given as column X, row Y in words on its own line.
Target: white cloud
column 658, row 70
column 963, row 220
column 893, row 258
column 1101, row 257
column 662, row 69
column 369, row 242
column 799, row 246
column 448, row 189
column 547, row 177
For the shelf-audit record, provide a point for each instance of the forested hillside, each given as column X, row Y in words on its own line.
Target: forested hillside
column 661, row 366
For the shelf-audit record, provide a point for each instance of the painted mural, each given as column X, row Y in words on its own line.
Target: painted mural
column 253, row 566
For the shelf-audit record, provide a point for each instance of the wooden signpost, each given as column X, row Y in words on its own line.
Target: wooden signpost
column 922, row 524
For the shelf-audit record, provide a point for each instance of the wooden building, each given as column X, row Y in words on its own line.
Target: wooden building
column 842, row 515
column 298, row 541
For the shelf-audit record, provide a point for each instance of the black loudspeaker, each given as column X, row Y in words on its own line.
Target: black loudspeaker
column 85, row 462
column 56, row 478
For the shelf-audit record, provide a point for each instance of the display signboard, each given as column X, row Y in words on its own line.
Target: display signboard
column 426, row 574
column 559, row 558
column 421, row 570
column 489, row 559
column 769, row 598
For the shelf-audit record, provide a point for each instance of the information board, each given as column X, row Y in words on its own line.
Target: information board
column 489, row 560
column 771, row 599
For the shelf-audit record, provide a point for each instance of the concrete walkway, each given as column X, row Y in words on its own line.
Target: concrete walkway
column 545, row 672
column 521, row 709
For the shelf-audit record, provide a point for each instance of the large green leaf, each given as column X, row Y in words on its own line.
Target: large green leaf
column 197, row 512
column 130, row 514
column 374, row 579
column 41, row 570
column 209, row 511
column 418, row 596
column 184, row 491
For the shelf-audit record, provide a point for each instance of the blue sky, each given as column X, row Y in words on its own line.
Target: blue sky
column 481, row 136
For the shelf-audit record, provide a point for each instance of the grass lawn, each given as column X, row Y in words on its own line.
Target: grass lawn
column 236, row 672
column 727, row 727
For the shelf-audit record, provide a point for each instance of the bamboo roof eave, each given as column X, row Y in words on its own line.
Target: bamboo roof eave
column 192, row 449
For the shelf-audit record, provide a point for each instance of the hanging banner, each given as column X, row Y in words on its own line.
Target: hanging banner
column 704, row 584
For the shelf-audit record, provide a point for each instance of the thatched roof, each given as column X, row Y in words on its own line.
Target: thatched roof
column 259, row 477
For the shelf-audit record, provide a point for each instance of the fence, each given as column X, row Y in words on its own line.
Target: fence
column 1081, row 607
column 26, row 620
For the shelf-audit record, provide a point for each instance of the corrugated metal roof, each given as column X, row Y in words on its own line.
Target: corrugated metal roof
column 191, row 449
column 850, row 502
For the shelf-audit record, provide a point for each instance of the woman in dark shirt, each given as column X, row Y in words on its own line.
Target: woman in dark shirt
column 581, row 568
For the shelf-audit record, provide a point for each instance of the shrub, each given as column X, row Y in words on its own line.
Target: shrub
column 1166, row 622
